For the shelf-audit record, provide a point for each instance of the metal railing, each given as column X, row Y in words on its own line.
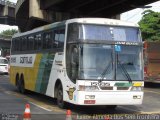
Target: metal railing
column 8, row 3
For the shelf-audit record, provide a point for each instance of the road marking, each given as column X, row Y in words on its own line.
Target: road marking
column 40, row 107
column 151, row 91
column 7, row 92
column 35, row 102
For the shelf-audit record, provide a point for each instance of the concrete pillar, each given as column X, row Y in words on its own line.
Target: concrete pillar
column 11, row 12
column 35, row 11
column 5, row 13
column 1, row 11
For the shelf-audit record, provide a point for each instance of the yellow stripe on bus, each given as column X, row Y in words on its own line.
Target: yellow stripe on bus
column 137, row 84
column 30, row 74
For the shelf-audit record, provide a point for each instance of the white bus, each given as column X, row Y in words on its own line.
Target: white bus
column 83, row 61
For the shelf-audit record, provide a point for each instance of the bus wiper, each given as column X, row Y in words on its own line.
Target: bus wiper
column 125, row 72
column 105, row 71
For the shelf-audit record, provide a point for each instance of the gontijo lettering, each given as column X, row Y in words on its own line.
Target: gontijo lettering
column 13, row 59
column 26, row 60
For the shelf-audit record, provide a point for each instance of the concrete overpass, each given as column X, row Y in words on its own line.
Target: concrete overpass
column 34, row 13
column 7, row 12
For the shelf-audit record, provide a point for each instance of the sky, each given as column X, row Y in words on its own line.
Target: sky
column 131, row 16
column 136, row 14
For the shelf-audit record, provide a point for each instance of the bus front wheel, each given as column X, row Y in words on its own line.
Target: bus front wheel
column 60, row 101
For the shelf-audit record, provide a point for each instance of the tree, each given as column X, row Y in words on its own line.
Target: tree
column 8, row 32
column 150, row 25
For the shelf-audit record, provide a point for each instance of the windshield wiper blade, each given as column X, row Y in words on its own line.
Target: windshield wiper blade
column 125, row 72
column 105, row 71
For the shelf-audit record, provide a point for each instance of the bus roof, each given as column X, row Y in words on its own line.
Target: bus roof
column 100, row 21
column 104, row 21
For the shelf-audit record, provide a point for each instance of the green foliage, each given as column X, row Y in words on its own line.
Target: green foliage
column 8, row 32
column 150, row 25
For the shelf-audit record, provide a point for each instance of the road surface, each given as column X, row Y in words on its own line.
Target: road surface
column 12, row 105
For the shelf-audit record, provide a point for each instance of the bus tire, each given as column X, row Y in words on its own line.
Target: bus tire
column 21, row 87
column 18, row 82
column 60, row 101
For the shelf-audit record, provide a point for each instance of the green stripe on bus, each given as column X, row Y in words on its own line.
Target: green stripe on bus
column 40, row 73
column 47, row 72
column 123, row 84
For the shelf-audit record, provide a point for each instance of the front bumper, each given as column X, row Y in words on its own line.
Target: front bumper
column 110, row 98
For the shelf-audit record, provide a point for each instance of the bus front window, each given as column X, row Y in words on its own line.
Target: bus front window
column 94, row 60
column 102, row 32
column 129, row 63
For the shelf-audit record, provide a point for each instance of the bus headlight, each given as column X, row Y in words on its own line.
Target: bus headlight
column 137, row 88
column 87, row 88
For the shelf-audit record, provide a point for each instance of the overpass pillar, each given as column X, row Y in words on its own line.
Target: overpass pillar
column 46, row 15
column 5, row 13
column 36, row 12
column 1, row 11
column 9, row 9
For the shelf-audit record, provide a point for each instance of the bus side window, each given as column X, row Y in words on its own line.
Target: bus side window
column 72, row 62
column 35, row 42
column 20, row 44
column 47, row 40
column 59, row 36
column 38, row 42
column 13, row 45
column 25, row 43
column 31, row 42
column 56, row 37
column 73, row 32
column 17, row 44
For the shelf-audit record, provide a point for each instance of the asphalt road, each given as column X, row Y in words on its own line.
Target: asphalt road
column 12, row 105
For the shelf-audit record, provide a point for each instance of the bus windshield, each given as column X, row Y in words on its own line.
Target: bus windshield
column 103, row 32
column 94, row 59
column 129, row 61
column 102, row 61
